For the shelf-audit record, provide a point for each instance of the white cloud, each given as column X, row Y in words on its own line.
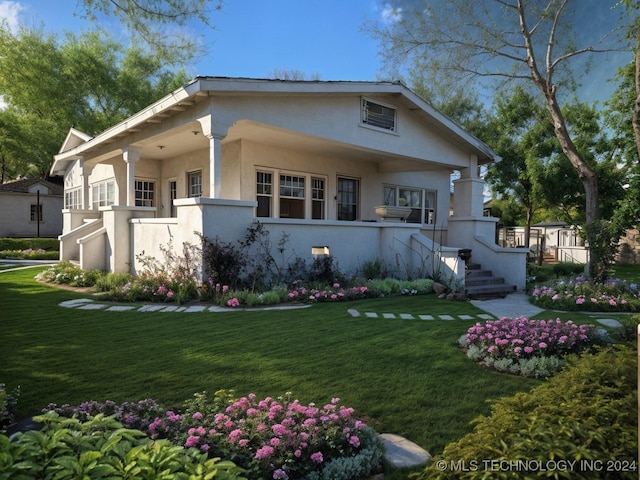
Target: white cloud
column 390, row 14
column 9, row 12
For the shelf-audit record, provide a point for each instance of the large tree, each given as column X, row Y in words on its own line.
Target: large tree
column 163, row 25
column 530, row 41
column 48, row 85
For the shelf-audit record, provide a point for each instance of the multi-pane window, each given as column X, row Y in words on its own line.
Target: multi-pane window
column 194, row 184
column 145, row 193
column 317, row 198
column 292, row 196
column 264, row 193
column 36, row 213
column 421, row 201
column 379, row 115
column 103, row 194
column 72, row 199
column 348, row 198
column 173, row 194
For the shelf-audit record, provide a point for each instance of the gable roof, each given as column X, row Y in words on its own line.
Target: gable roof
column 25, row 185
column 200, row 88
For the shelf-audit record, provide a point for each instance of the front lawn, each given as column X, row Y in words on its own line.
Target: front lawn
column 402, row 376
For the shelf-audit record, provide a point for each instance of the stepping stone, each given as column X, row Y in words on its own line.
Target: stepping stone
column 425, row 317
column 151, row 308
column 388, row 315
column 609, row 322
column 445, row 317
column 371, row 314
column 486, row 316
column 353, row 312
column 92, row 306
column 407, row 316
column 465, row 317
column 120, row 308
column 195, row 309
column 217, row 308
column 75, row 303
column 403, row 453
column 174, row 308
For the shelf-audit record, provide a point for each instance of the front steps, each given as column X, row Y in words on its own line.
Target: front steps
column 481, row 283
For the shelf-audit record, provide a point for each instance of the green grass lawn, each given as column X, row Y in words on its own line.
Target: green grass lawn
column 403, row 376
column 629, row 272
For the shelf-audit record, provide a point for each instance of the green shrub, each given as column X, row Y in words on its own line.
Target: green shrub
column 48, row 244
column 66, row 273
column 567, row 269
column 586, row 413
column 373, row 269
column 101, row 448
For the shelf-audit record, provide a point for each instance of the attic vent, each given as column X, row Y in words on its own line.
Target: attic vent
column 378, row 115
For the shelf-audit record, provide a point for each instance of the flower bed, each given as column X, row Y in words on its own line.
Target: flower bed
column 580, row 294
column 269, row 438
column 532, row 348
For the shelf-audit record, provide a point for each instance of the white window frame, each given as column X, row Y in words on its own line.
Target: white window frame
column 375, row 120
column 194, row 189
column 297, row 186
column 145, row 196
column 73, row 199
column 36, row 211
column 103, row 194
column 391, row 196
column 264, row 189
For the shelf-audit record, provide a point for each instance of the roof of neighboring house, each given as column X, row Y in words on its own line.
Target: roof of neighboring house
column 200, row 88
column 25, row 185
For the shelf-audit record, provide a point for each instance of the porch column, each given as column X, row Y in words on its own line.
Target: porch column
column 85, row 174
column 131, row 155
column 215, row 155
column 215, row 166
column 468, row 192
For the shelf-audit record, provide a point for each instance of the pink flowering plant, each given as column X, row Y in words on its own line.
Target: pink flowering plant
column 274, row 438
column 332, row 293
column 527, row 347
column 581, row 294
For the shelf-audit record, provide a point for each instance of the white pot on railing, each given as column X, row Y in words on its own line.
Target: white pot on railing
column 389, row 212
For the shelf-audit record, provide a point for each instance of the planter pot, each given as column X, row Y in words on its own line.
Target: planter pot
column 388, row 212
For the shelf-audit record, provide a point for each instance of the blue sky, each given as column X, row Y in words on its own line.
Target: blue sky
column 253, row 37
column 317, row 37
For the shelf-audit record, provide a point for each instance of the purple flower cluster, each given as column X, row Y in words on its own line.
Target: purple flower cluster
column 334, row 294
column 133, row 415
column 524, row 338
column 272, row 438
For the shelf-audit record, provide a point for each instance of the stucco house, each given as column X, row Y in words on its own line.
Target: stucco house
column 30, row 207
column 359, row 170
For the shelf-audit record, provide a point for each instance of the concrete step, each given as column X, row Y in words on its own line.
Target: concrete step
column 489, row 291
column 478, row 273
column 486, row 280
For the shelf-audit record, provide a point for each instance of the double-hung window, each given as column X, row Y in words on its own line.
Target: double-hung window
column 292, row 196
column 194, row 184
column 264, row 193
column 35, row 214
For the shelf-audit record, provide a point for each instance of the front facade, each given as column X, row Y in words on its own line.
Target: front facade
column 30, row 208
column 360, row 170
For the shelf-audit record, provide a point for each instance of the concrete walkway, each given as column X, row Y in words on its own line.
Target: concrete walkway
column 512, row 306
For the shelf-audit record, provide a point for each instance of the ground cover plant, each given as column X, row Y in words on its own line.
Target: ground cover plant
column 532, row 348
column 399, row 375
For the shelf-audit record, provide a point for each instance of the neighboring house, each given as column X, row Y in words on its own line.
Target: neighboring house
column 30, row 208
column 315, row 160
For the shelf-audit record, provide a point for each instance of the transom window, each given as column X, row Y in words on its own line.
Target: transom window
column 145, row 193
column 378, row 115
column 103, row 194
column 421, row 201
column 194, row 184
